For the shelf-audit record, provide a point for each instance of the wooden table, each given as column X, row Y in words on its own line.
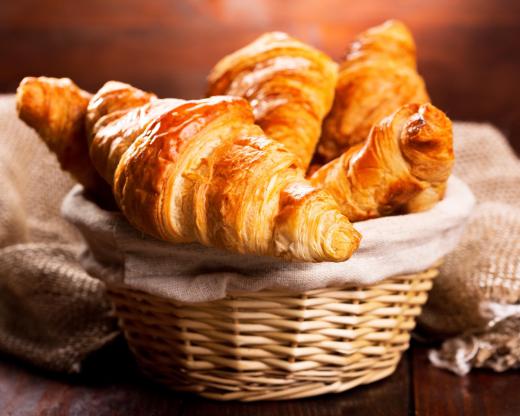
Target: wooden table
column 112, row 386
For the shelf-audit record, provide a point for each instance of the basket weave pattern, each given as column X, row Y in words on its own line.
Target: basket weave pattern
column 273, row 345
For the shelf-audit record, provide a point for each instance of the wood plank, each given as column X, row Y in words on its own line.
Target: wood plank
column 481, row 393
column 110, row 385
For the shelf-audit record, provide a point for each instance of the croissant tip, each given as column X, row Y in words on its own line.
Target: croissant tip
column 35, row 94
column 435, row 116
column 340, row 241
column 427, row 143
column 29, row 98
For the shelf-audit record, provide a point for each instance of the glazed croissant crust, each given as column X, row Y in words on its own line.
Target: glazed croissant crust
column 289, row 85
column 56, row 108
column 402, row 167
column 376, row 78
column 202, row 171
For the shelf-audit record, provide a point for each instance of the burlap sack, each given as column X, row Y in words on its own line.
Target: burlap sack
column 52, row 313
column 478, row 290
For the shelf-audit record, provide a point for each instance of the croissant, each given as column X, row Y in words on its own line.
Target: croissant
column 289, row 85
column 403, row 165
column 56, row 109
column 202, row 171
column 376, row 78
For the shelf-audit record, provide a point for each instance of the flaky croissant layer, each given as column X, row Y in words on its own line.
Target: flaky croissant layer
column 377, row 77
column 289, row 84
column 202, row 171
column 403, row 165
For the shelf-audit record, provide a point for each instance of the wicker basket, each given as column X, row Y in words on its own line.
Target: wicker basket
column 273, row 345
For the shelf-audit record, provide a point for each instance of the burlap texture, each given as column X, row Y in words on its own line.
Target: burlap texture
column 52, row 313
column 478, row 290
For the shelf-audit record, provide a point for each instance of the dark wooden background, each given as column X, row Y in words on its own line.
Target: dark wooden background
column 469, row 50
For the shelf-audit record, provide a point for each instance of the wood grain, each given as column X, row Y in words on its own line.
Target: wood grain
column 109, row 385
column 438, row 392
column 113, row 387
column 468, row 49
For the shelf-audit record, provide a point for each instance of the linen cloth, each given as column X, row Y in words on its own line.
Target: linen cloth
column 53, row 313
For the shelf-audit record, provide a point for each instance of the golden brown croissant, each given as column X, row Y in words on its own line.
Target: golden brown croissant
column 289, row 84
column 403, row 165
column 202, row 171
column 376, row 78
column 56, row 109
